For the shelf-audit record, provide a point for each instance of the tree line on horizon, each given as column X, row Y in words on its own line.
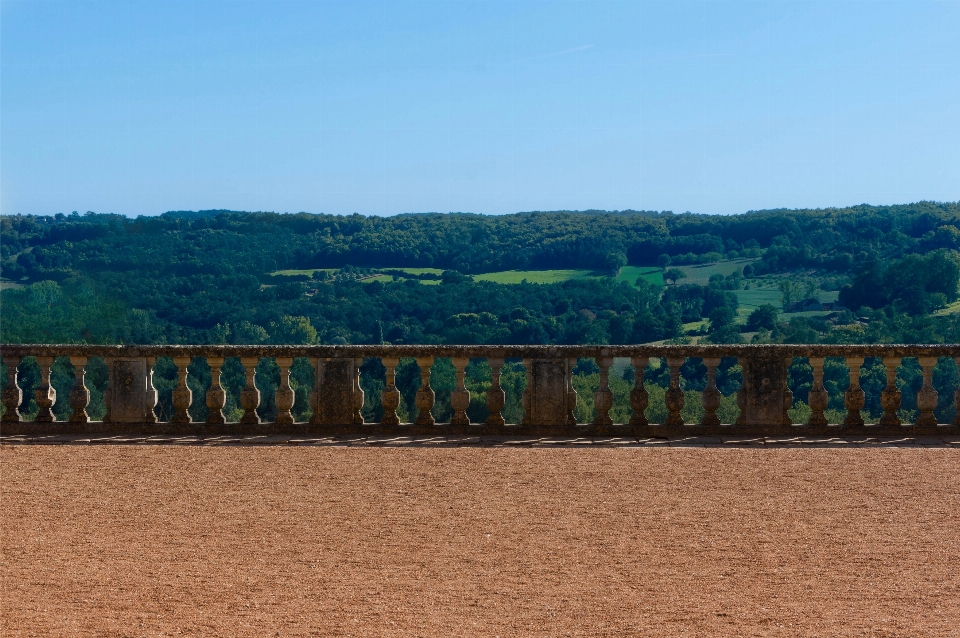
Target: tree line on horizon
column 204, row 277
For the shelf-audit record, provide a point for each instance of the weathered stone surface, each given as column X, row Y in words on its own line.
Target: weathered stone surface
column 334, row 391
column 12, row 394
column 546, row 394
column 131, row 390
column 182, row 395
column 854, row 398
column 891, row 395
column 711, row 395
column 496, row 397
column 817, row 398
column 764, row 381
column 250, row 395
column 79, row 395
column 639, row 397
column 927, row 397
column 549, row 399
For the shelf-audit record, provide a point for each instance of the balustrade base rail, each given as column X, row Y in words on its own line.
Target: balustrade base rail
column 548, row 400
column 31, row 428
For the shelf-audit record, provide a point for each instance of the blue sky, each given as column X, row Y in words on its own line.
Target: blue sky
column 488, row 107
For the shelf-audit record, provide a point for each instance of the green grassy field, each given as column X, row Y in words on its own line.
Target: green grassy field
column 534, row 276
column 308, row 272
column 952, row 309
column 756, row 297
column 419, row 271
column 701, row 273
column 762, row 291
column 650, row 274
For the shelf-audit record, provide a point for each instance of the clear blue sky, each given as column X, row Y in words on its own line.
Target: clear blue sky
column 487, row 107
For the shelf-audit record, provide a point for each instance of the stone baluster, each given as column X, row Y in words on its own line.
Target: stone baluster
column 216, row 395
column 79, row 394
column 316, row 393
column 358, row 394
column 151, row 397
column 390, row 398
column 710, row 399
column 742, row 400
column 46, row 394
column 572, row 396
column 639, row 397
column 817, row 397
column 250, row 395
column 460, row 397
column 927, row 397
column 182, row 395
column 526, row 397
column 853, row 398
column 425, row 395
column 890, row 396
column 674, row 394
column 108, row 392
column 787, row 392
column 496, row 397
column 12, row 394
column 284, row 397
column 956, row 399
column 603, row 397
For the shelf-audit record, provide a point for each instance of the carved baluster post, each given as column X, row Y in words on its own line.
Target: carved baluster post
column 79, row 395
column 674, row 394
column 358, row 394
column 891, row 395
column 285, row 397
column 46, row 394
column 12, row 394
column 853, row 398
column 526, row 398
column 742, row 399
column 216, row 395
column 496, row 397
column 182, row 396
column 711, row 394
column 250, row 395
column 603, row 397
column 639, row 397
column 956, row 399
column 316, row 394
column 927, row 398
column 817, row 398
column 390, row 399
column 425, row 395
column 151, row 397
column 108, row 392
column 571, row 392
column 460, row 397
column 787, row 392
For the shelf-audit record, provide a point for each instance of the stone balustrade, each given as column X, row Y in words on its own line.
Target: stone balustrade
column 549, row 398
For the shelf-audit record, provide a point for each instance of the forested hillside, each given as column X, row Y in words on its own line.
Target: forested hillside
column 219, row 276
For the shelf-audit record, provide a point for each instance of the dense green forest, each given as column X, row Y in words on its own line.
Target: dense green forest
column 205, row 277
column 891, row 273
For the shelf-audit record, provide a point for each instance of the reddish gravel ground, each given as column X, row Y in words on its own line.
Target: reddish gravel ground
column 327, row 541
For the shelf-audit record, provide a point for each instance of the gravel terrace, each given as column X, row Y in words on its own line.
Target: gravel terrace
column 171, row 540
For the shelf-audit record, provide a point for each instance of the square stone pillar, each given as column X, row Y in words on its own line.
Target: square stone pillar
column 131, row 396
column 764, row 390
column 549, row 398
column 334, row 395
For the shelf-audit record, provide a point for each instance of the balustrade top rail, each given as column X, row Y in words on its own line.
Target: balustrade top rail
column 482, row 351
